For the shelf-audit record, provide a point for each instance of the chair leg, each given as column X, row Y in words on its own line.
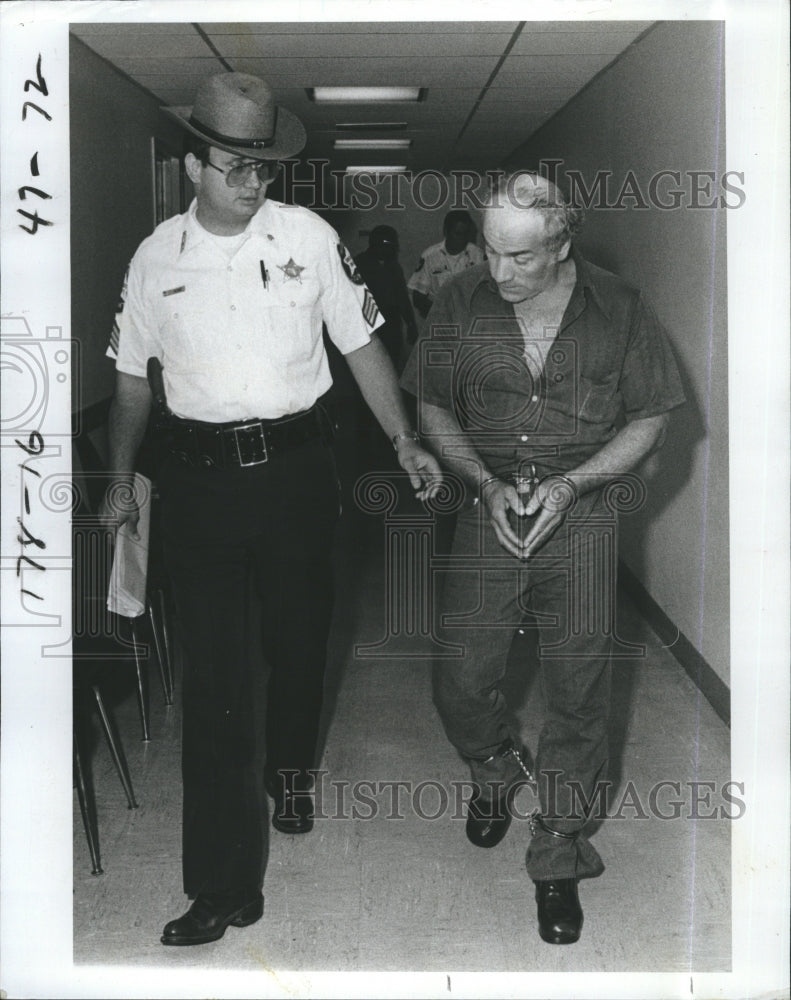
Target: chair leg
column 142, row 685
column 116, row 748
column 160, row 650
column 87, row 809
column 163, row 617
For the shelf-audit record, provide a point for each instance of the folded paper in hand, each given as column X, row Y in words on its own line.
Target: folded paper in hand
column 127, row 592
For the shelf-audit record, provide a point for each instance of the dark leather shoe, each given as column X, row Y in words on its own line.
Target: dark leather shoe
column 209, row 916
column 488, row 819
column 559, row 910
column 292, row 811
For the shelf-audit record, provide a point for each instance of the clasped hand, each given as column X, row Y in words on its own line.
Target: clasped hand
column 549, row 505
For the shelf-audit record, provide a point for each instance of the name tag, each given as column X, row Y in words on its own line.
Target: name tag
column 174, row 291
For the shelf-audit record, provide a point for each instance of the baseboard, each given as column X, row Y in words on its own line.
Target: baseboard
column 711, row 686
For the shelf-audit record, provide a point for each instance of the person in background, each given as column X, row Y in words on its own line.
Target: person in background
column 440, row 262
column 384, row 276
column 229, row 299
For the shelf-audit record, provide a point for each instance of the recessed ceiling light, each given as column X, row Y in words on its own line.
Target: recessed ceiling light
column 372, row 143
column 371, row 126
column 375, row 170
column 365, row 95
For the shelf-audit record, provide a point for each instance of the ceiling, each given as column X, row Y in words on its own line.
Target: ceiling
column 488, row 84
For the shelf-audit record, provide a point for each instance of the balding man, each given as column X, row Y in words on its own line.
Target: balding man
column 541, row 378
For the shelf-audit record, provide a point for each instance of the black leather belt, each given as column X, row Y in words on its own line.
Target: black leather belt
column 253, row 442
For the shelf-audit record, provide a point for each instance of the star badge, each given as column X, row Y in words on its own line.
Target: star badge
column 291, row 271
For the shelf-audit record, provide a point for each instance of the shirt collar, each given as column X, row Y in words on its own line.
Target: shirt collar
column 586, row 283
column 192, row 234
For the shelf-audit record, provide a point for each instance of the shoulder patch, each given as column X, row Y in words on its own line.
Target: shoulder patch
column 348, row 265
column 115, row 332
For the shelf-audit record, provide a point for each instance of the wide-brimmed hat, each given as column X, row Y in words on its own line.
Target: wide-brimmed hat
column 237, row 112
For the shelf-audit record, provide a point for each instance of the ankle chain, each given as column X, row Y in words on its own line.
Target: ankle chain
column 537, row 822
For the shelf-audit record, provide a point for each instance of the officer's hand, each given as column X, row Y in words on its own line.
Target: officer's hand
column 424, row 470
column 119, row 506
column 500, row 497
column 552, row 500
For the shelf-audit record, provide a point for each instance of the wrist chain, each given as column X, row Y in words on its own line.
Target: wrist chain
column 487, row 482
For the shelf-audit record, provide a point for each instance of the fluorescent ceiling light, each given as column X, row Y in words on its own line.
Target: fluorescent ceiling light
column 372, row 143
column 364, row 95
column 375, row 170
column 371, row 126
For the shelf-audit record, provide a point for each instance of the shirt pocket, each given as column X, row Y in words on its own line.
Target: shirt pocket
column 291, row 316
column 599, row 399
column 183, row 326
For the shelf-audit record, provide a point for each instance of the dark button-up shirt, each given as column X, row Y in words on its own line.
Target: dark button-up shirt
column 610, row 363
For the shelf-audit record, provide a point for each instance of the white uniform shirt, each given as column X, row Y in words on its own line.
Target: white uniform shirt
column 239, row 334
column 437, row 267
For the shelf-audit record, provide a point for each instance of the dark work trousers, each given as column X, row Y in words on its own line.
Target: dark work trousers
column 271, row 524
column 567, row 591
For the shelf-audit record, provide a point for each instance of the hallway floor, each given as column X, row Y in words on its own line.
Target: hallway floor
column 406, row 891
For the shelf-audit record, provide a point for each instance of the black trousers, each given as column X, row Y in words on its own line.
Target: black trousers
column 271, row 524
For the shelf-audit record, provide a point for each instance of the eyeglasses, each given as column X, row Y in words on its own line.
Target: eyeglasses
column 265, row 170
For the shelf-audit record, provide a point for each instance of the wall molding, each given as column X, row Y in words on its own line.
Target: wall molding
column 708, row 682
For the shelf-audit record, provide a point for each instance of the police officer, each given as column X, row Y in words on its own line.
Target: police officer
column 441, row 261
column 230, row 298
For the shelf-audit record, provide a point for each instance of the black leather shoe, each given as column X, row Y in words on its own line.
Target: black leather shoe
column 209, row 916
column 488, row 819
column 292, row 811
column 559, row 910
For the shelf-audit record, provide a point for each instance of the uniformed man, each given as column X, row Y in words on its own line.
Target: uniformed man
column 442, row 261
column 230, row 298
column 558, row 380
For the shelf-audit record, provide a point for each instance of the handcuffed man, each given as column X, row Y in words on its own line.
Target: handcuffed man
column 540, row 379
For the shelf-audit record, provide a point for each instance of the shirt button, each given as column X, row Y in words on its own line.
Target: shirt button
column 534, row 399
column 233, row 308
column 524, row 437
column 293, row 303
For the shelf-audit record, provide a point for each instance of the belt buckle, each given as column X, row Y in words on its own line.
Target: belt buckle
column 252, row 444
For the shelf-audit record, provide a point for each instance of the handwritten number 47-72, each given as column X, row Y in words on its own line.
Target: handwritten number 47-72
column 39, row 84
